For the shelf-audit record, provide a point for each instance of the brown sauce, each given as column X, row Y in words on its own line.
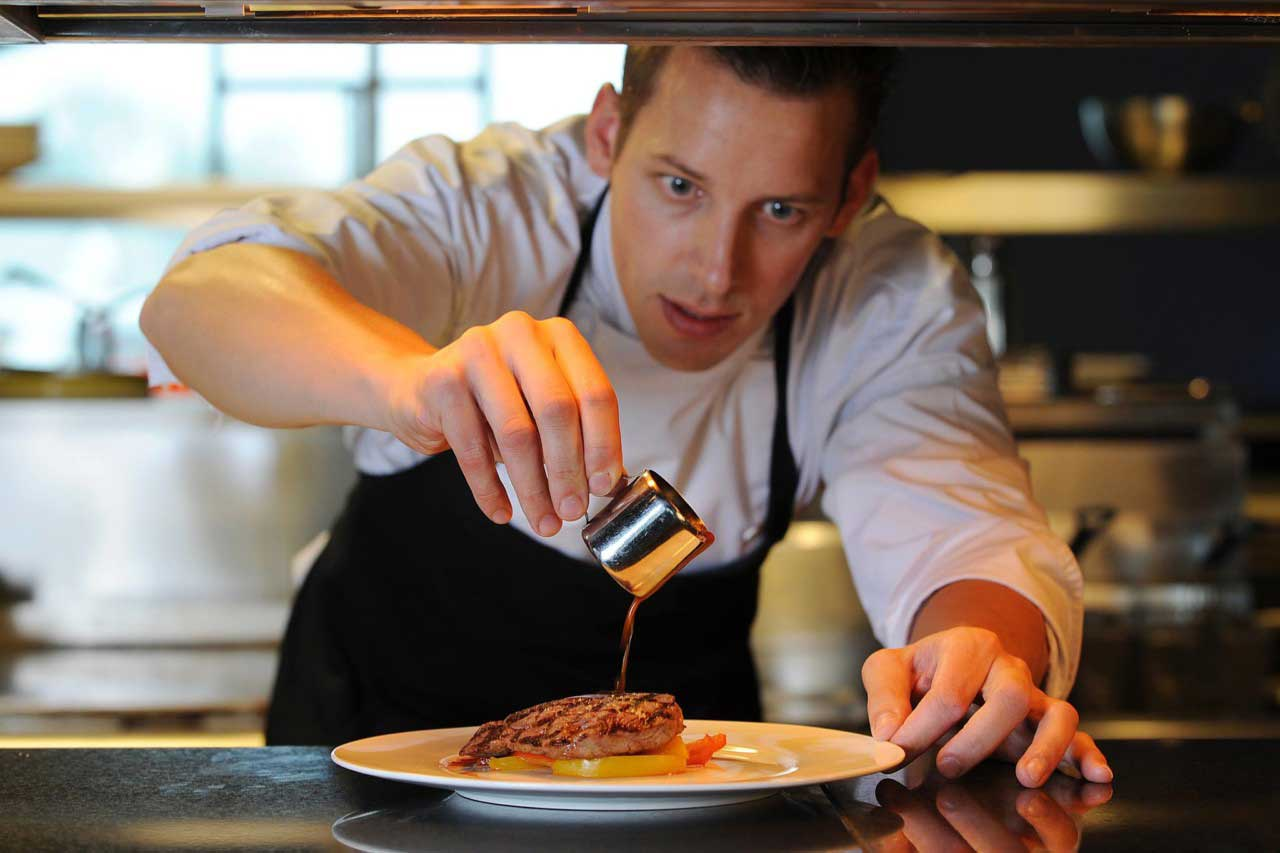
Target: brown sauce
column 628, row 628
column 629, row 625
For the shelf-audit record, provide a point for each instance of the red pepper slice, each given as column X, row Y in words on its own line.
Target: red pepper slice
column 459, row 761
column 701, row 750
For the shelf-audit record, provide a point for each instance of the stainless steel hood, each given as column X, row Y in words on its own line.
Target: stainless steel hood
column 901, row 22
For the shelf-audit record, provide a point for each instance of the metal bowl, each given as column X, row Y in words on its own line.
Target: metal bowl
column 1165, row 134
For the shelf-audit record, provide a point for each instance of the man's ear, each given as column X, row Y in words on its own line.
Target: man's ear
column 862, row 180
column 602, row 130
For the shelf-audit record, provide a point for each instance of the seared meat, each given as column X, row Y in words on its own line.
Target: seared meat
column 582, row 727
column 487, row 741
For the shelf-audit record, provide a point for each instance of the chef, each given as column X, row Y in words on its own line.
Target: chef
column 701, row 266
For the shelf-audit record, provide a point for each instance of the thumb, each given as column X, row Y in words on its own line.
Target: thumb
column 886, row 675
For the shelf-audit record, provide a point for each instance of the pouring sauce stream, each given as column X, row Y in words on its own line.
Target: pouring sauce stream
column 629, row 624
column 628, row 628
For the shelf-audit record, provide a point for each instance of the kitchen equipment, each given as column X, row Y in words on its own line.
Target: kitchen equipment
column 645, row 535
column 94, row 334
column 156, row 521
column 1164, row 134
column 1147, row 481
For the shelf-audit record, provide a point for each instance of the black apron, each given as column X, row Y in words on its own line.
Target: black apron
column 422, row 613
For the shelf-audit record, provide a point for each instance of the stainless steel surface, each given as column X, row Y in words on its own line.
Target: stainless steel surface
column 646, row 534
column 75, row 685
column 1198, row 484
column 156, row 521
column 982, row 23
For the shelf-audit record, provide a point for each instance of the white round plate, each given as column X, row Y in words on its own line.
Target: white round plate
column 760, row 759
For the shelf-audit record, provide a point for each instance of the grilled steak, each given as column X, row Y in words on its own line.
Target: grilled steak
column 582, row 727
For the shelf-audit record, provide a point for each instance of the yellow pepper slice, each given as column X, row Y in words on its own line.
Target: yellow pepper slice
column 513, row 762
column 676, row 746
column 618, row 765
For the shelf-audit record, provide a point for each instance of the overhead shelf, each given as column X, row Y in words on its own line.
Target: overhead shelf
column 1013, row 203
column 184, row 206
column 903, row 22
column 996, row 203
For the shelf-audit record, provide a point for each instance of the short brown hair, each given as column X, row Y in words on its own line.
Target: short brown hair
column 864, row 71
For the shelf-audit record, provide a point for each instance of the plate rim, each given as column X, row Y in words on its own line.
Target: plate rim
column 595, row 788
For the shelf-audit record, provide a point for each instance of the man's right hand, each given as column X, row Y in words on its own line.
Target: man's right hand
column 528, row 393
column 281, row 343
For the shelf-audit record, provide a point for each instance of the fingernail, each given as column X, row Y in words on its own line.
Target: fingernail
column 500, row 516
column 601, row 482
column 948, row 801
column 884, row 726
column 1036, row 808
column 949, row 766
column 549, row 525
column 571, row 508
column 1035, row 769
column 1107, row 774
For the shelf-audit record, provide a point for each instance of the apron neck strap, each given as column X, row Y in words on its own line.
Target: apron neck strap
column 783, row 473
column 584, row 255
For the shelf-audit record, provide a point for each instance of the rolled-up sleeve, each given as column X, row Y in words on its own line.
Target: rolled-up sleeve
column 922, row 474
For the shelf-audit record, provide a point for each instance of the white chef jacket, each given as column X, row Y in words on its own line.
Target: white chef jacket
column 892, row 397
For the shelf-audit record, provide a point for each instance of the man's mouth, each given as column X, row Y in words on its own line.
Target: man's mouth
column 695, row 324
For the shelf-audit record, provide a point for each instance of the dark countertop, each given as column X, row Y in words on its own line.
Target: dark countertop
column 1168, row 795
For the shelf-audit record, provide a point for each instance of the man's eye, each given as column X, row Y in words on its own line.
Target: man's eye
column 780, row 211
column 678, row 186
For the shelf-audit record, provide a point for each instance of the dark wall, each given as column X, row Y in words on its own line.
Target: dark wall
column 1199, row 304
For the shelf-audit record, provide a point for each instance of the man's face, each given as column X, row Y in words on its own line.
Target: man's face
column 720, row 194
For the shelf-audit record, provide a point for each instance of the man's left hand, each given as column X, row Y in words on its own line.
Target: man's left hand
column 918, row 693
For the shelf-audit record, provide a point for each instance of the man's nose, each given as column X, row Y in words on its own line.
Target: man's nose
column 721, row 242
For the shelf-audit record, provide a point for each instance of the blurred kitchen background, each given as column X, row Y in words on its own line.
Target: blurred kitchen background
column 1119, row 210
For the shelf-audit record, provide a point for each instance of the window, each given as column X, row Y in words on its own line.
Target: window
column 141, row 116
